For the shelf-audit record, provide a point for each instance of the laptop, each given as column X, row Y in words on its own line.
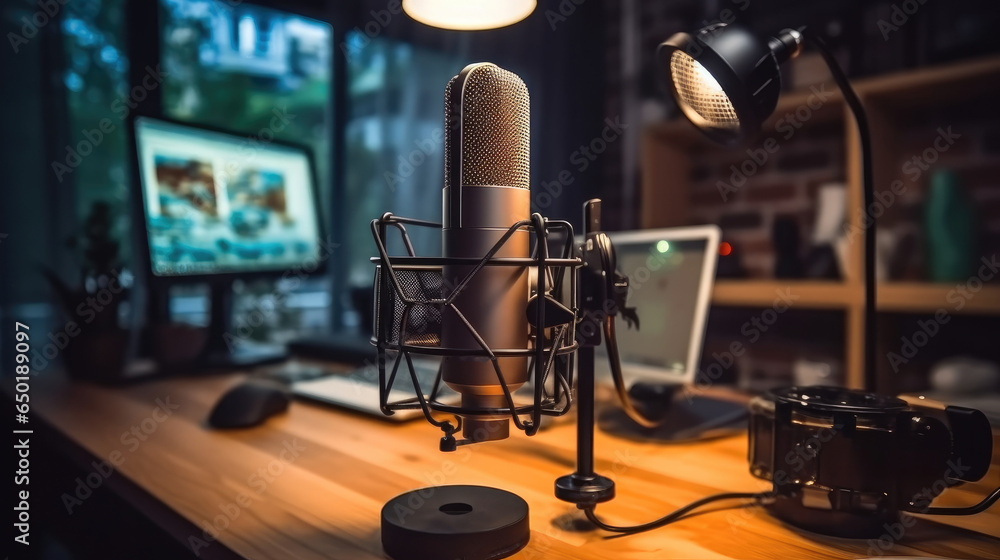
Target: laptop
column 671, row 275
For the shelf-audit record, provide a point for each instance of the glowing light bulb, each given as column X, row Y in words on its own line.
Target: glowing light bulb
column 468, row 15
column 700, row 95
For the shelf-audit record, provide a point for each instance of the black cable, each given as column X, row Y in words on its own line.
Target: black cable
column 971, row 510
column 676, row 515
column 611, row 342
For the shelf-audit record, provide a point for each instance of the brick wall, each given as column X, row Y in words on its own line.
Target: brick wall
column 785, row 185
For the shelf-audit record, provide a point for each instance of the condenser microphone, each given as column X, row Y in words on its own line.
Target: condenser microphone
column 486, row 192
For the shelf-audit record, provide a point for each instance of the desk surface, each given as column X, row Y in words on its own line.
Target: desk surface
column 342, row 467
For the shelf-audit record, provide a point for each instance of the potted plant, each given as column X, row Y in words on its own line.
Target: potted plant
column 97, row 346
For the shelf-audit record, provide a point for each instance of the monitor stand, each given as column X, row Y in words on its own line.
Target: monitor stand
column 225, row 348
column 685, row 415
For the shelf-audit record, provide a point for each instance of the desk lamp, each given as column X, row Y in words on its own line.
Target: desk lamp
column 725, row 80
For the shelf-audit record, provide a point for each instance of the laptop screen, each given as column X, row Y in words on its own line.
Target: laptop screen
column 671, row 274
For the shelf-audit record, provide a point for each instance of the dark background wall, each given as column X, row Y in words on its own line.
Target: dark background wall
column 588, row 65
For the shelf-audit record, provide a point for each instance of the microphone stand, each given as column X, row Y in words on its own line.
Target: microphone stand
column 598, row 285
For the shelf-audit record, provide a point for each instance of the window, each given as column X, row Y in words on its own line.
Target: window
column 96, row 81
column 237, row 67
column 394, row 142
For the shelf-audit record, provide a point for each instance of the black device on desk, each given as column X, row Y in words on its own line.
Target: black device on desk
column 214, row 213
column 847, row 463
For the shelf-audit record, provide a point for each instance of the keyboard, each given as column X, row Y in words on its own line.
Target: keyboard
column 359, row 389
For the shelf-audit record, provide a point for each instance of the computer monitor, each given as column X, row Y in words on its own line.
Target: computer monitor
column 216, row 204
column 671, row 273
column 219, row 206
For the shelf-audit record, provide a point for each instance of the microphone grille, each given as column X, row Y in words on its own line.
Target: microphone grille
column 491, row 119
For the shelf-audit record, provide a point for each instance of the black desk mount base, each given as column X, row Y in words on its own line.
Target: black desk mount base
column 585, row 491
column 468, row 522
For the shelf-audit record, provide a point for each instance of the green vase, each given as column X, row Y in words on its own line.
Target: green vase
column 949, row 228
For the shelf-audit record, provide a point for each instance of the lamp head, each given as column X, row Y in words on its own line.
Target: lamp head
column 725, row 79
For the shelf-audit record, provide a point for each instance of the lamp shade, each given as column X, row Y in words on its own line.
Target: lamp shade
column 725, row 79
column 468, row 15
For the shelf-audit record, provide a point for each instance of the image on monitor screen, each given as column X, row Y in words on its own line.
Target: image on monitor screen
column 215, row 203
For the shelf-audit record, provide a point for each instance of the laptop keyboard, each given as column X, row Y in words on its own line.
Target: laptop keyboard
column 359, row 389
column 426, row 372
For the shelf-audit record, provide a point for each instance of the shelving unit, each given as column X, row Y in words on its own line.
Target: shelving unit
column 917, row 297
column 892, row 102
column 762, row 293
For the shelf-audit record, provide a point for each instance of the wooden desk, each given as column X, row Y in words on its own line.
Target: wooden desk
column 342, row 467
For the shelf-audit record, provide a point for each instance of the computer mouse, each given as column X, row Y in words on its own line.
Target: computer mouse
column 248, row 404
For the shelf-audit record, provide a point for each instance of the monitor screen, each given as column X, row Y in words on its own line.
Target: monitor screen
column 671, row 273
column 222, row 203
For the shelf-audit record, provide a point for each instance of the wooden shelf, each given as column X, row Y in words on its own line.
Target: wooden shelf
column 895, row 103
column 918, row 297
column 899, row 297
column 816, row 294
column 928, row 86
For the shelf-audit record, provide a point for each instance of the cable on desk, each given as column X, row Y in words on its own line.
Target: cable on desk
column 611, row 342
column 971, row 510
column 676, row 515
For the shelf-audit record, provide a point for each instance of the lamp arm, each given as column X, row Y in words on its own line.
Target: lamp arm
column 868, row 190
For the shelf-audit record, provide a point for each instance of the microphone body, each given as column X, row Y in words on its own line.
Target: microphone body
column 486, row 192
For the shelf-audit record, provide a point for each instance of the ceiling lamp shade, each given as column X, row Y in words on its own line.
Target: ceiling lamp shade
column 468, row 15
